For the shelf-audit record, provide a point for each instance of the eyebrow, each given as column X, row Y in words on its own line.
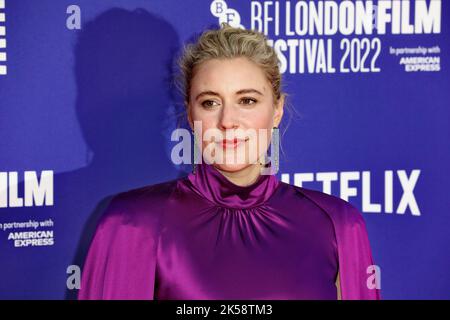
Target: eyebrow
column 212, row 93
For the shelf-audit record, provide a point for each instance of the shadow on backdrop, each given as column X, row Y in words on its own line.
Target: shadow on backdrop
column 126, row 104
column 123, row 69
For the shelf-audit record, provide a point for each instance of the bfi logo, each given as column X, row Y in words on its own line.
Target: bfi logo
column 2, row 38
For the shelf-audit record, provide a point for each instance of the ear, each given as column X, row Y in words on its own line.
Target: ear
column 279, row 109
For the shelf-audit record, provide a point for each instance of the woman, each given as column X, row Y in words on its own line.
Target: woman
column 228, row 230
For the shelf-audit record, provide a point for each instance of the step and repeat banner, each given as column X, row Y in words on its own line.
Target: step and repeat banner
column 88, row 104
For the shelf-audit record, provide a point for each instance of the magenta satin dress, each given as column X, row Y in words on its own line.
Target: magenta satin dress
column 203, row 237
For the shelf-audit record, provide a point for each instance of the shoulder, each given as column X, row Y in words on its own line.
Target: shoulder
column 339, row 210
column 150, row 194
column 138, row 207
column 122, row 256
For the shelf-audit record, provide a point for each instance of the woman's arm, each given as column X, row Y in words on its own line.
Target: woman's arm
column 338, row 287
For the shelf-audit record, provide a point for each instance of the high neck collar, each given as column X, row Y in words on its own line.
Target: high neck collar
column 213, row 185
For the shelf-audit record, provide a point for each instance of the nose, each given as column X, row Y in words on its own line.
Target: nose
column 228, row 117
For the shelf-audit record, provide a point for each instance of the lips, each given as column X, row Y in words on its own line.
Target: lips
column 232, row 143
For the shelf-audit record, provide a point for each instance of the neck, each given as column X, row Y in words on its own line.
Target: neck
column 243, row 177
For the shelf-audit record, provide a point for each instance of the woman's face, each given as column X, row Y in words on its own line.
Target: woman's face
column 233, row 102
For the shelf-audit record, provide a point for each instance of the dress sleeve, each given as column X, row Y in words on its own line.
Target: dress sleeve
column 358, row 273
column 121, row 259
column 356, row 263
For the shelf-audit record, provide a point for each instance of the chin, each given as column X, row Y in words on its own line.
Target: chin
column 231, row 167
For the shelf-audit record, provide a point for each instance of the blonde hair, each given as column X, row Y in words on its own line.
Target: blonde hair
column 225, row 43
